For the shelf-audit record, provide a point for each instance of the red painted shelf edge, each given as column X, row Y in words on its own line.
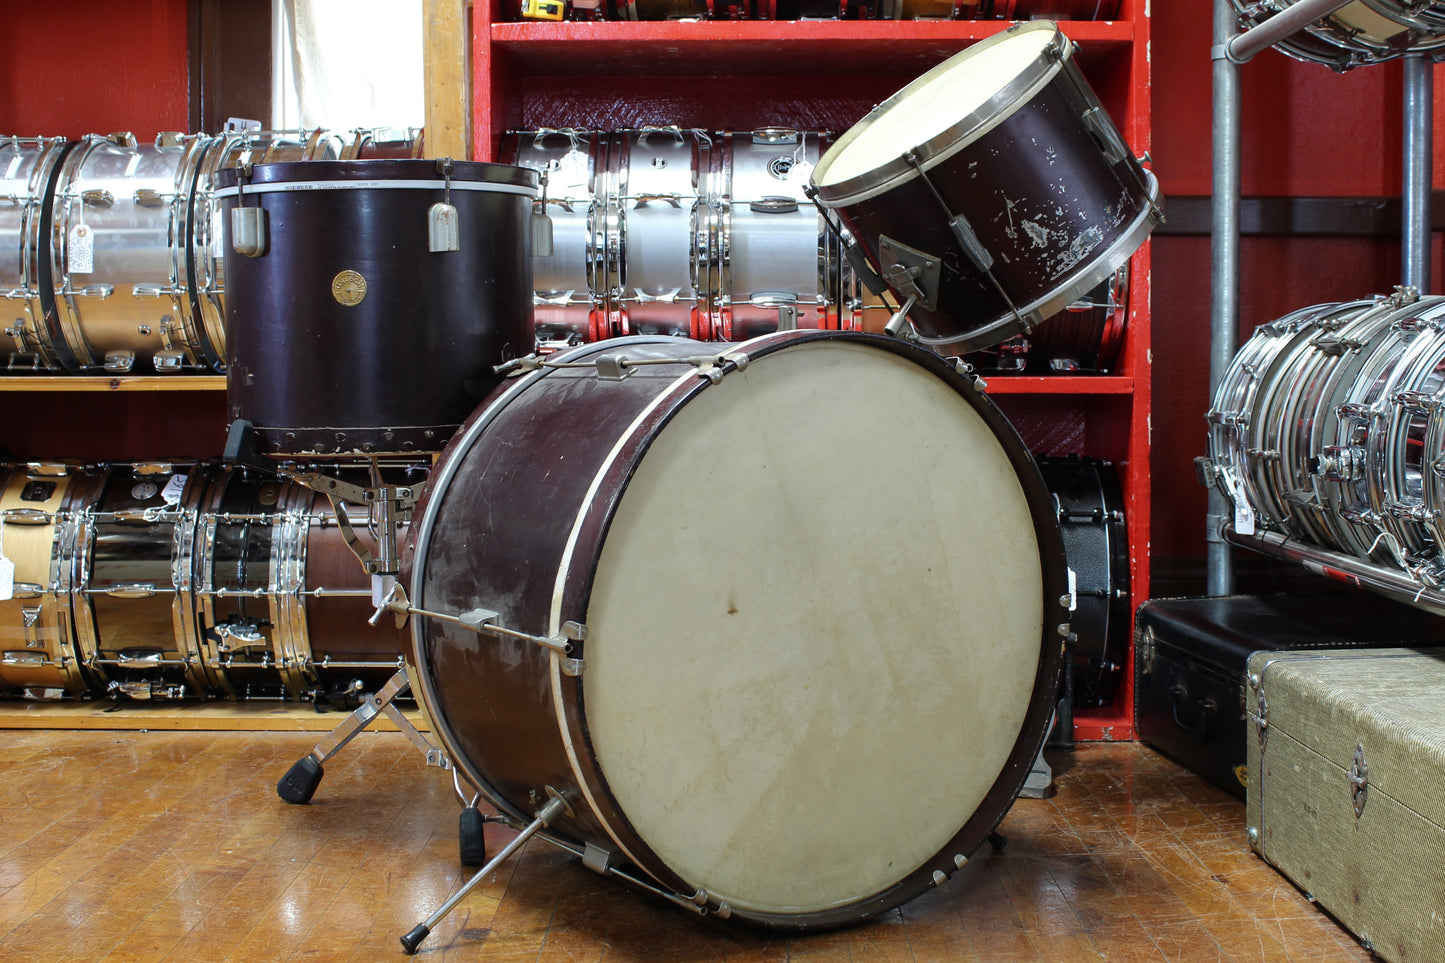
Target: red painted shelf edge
column 1059, row 385
column 792, row 31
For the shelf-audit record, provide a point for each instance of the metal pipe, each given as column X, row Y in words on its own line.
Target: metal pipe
column 1224, row 269
column 1392, row 582
column 1416, row 146
column 1291, row 20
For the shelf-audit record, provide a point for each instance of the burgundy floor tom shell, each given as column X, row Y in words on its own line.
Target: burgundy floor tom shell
column 994, row 190
column 715, row 724
column 352, row 327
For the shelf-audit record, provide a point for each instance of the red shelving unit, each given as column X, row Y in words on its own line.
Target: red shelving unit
column 827, row 75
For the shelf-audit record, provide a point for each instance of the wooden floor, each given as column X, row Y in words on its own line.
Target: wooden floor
column 165, row 845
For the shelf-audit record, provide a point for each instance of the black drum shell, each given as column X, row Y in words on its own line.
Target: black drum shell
column 402, row 368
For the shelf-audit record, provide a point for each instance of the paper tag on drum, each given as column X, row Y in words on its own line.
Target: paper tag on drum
column 1243, row 514
column 80, row 251
column 7, row 579
column 571, row 172
column 171, row 494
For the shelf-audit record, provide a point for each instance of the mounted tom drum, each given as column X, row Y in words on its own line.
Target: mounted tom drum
column 991, row 192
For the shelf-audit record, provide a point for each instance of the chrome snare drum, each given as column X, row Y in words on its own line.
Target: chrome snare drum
column 37, row 533
column 119, row 255
column 327, row 649
column 770, row 260
column 235, row 605
column 1017, row 198
column 565, row 282
column 655, row 213
column 131, row 590
column 29, row 167
column 1363, row 32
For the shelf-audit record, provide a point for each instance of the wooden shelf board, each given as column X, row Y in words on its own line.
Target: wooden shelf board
column 184, row 715
column 1059, row 384
column 124, row 383
column 725, row 47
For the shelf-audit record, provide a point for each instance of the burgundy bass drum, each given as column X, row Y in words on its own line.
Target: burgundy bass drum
column 763, row 596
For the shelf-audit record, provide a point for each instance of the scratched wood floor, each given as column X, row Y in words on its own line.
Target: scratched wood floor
column 131, row 846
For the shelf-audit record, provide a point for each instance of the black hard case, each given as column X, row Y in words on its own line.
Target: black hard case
column 1190, row 655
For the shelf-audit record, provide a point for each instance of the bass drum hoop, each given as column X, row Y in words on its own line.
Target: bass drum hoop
column 1027, row 743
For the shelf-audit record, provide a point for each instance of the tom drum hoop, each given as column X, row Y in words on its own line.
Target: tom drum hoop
column 993, row 191
column 710, row 723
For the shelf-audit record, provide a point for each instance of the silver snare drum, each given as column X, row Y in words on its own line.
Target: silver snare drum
column 118, row 248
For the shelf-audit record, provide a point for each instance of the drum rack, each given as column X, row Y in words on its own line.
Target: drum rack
column 1232, row 49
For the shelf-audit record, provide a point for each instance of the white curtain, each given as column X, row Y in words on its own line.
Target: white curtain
column 344, row 64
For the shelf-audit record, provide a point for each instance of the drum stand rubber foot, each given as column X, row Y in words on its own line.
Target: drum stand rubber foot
column 471, row 841
column 300, row 782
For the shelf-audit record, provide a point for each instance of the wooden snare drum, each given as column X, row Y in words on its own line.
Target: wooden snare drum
column 37, row 635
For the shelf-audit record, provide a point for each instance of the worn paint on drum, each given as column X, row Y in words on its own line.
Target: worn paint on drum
column 789, row 622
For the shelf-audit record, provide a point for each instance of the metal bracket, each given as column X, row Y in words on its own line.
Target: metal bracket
column 915, row 273
column 1359, row 780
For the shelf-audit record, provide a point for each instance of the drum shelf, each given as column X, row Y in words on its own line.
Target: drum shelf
column 124, row 383
column 825, row 75
column 710, row 47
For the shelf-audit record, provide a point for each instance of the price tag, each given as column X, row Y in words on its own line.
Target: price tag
column 7, row 579
column 571, row 174
column 171, row 494
column 80, row 252
column 1243, row 513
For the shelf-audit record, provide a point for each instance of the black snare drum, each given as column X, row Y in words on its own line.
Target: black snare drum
column 1090, row 507
column 365, row 318
column 992, row 191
